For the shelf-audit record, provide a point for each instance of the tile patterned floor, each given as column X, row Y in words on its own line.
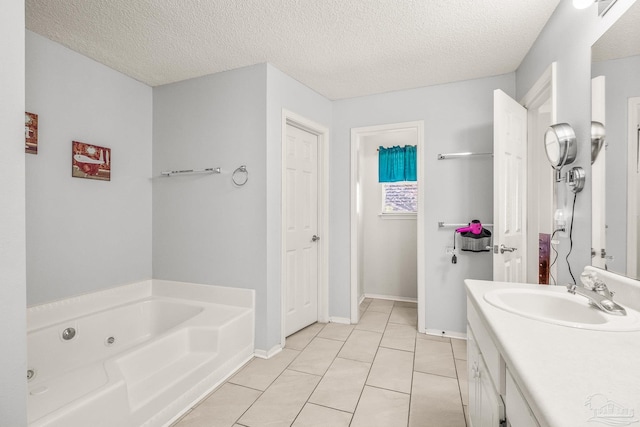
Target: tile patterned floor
column 378, row 373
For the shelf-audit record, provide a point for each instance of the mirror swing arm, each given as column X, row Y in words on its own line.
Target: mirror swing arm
column 561, row 148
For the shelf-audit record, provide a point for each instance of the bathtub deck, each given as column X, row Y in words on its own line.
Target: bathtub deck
column 47, row 396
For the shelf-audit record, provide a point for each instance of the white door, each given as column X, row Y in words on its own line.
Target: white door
column 509, row 188
column 598, row 183
column 301, row 224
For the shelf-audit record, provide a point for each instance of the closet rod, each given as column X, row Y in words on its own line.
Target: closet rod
column 461, row 155
column 442, row 224
column 183, row 171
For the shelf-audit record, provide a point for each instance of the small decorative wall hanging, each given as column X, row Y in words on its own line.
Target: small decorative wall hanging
column 91, row 161
column 31, row 133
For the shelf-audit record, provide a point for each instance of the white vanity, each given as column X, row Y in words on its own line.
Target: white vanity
column 539, row 356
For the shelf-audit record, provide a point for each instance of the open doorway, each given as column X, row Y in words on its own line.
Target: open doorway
column 540, row 103
column 387, row 243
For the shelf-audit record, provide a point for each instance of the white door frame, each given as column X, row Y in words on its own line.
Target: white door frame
column 294, row 119
column 632, row 187
column 543, row 89
column 356, row 135
column 599, row 178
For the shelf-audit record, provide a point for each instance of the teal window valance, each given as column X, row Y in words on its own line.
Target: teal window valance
column 397, row 164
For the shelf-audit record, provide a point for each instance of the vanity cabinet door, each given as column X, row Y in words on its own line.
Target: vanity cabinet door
column 490, row 401
column 518, row 412
column 485, row 404
column 473, row 368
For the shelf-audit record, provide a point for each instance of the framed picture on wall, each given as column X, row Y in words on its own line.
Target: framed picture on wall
column 31, row 133
column 91, row 161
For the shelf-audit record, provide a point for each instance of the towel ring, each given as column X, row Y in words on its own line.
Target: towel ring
column 239, row 181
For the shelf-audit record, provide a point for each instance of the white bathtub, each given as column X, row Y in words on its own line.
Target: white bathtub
column 140, row 355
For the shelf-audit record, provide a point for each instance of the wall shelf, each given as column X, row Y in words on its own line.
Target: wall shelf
column 448, row 156
column 190, row 171
column 442, row 224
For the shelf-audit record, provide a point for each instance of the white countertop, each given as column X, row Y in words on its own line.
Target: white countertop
column 558, row 368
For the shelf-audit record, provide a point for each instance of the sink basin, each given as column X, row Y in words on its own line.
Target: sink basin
column 557, row 306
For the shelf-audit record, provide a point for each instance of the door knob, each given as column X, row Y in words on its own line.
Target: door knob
column 504, row 249
column 315, row 238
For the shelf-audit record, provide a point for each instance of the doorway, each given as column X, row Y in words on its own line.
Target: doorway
column 364, row 142
column 304, row 255
column 540, row 103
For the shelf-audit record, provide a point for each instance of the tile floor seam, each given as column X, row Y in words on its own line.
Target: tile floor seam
column 313, row 391
column 321, row 377
column 283, row 371
column 413, row 373
column 438, row 375
column 359, row 396
column 388, row 389
column 397, row 349
column 332, row 360
column 370, row 369
column 236, row 384
column 246, row 410
column 458, row 381
column 329, row 407
column 334, row 339
column 303, row 372
column 271, row 383
column 353, row 360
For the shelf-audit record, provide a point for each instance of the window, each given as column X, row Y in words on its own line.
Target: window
column 399, row 198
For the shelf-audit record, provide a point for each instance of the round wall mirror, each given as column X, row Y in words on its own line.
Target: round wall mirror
column 560, row 145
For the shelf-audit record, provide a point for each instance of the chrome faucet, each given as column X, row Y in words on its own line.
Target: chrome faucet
column 598, row 294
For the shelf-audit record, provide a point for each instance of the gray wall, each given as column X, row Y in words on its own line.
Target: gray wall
column 457, row 117
column 84, row 235
column 206, row 230
column 13, row 365
column 622, row 82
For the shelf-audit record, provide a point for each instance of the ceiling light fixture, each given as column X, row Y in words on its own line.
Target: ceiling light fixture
column 583, row 4
column 603, row 5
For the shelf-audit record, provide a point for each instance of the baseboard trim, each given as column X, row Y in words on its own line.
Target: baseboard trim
column 391, row 297
column 262, row 354
column 341, row 320
column 448, row 334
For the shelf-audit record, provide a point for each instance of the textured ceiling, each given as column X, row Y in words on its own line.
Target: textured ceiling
column 340, row 48
column 622, row 39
